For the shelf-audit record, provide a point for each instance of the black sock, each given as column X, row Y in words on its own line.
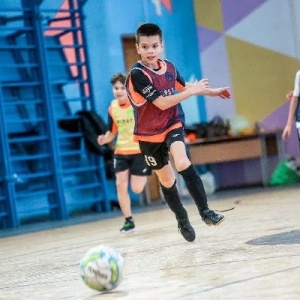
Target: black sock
column 195, row 187
column 172, row 198
column 129, row 219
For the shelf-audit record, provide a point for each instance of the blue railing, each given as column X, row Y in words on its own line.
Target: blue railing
column 45, row 170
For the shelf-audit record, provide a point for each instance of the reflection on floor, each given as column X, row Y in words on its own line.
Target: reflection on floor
column 84, row 216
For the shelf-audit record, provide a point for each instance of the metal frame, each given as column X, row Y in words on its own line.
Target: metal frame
column 52, row 158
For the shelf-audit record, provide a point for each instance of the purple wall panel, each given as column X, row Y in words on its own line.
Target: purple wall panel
column 235, row 10
column 206, row 37
column 278, row 120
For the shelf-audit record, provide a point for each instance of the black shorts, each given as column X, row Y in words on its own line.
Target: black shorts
column 157, row 154
column 134, row 163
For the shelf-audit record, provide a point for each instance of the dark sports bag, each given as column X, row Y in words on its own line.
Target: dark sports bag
column 92, row 125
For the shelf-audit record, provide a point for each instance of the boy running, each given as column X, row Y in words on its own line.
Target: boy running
column 151, row 86
column 129, row 163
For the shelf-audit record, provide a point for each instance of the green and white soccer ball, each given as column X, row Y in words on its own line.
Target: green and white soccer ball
column 101, row 268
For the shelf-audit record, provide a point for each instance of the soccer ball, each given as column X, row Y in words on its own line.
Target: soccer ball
column 101, row 268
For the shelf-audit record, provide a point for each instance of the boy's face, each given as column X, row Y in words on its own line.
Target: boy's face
column 150, row 48
column 120, row 92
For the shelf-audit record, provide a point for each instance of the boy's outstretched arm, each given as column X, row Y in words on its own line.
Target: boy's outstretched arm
column 201, row 87
column 223, row 92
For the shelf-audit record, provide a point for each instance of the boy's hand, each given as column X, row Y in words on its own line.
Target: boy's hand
column 289, row 96
column 225, row 93
column 100, row 139
column 203, row 83
column 200, row 87
column 222, row 92
column 287, row 132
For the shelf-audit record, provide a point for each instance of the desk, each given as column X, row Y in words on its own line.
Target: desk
column 234, row 148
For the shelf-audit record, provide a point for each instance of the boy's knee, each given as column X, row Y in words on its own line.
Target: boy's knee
column 168, row 183
column 137, row 189
column 121, row 185
column 138, row 184
column 182, row 164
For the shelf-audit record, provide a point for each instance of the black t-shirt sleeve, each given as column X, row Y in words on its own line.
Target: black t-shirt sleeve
column 142, row 84
column 180, row 79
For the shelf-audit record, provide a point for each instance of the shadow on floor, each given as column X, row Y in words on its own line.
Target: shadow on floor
column 284, row 238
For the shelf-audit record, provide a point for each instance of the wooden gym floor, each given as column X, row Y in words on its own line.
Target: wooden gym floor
column 254, row 254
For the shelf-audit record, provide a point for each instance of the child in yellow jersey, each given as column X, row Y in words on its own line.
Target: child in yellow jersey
column 129, row 163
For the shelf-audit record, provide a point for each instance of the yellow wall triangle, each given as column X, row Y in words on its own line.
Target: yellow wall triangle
column 209, row 14
column 261, row 78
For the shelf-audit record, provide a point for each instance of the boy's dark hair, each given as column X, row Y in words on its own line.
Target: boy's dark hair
column 118, row 77
column 148, row 29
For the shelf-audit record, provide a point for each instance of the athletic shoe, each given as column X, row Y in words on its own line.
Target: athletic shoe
column 127, row 227
column 211, row 218
column 186, row 229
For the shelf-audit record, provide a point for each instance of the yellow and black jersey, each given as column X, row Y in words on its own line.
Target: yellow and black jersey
column 121, row 122
column 143, row 86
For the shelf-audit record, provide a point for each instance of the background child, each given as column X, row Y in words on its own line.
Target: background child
column 294, row 110
column 151, row 86
column 129, row 164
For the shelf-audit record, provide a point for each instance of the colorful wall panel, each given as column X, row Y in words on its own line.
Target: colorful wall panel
column 254, row 47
